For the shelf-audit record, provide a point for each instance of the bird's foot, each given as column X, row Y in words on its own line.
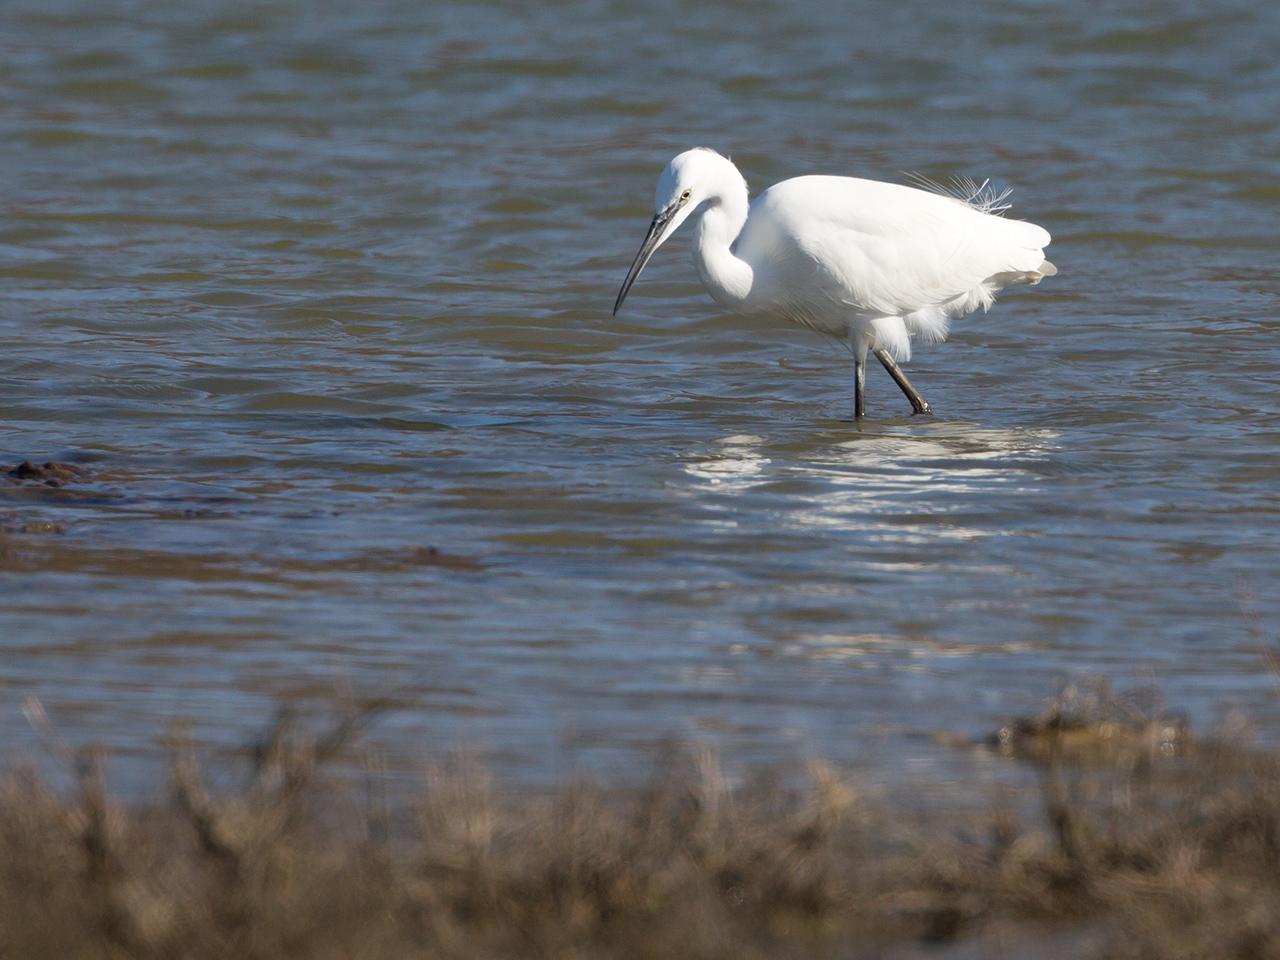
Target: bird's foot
column 921, row 410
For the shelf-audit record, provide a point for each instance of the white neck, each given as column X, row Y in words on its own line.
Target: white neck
column 727, row 277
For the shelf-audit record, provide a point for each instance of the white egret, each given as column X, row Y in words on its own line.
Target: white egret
column 872, row 264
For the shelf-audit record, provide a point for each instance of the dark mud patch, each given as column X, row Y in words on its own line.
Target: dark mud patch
column 57, row 482
column 49, row 473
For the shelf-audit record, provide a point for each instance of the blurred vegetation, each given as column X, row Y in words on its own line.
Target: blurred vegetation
column 1138, row 842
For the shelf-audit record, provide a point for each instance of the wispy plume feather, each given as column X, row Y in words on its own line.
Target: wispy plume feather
column 982, row 197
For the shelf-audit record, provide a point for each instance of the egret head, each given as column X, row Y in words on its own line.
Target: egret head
column 689, row 180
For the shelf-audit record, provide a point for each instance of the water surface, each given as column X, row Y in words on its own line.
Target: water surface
column 311, row 288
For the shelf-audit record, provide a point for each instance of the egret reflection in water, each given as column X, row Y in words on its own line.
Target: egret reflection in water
column 904, row 487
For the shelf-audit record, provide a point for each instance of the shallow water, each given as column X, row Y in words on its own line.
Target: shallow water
column 313, row 287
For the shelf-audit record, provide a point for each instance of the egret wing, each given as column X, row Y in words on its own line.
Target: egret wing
column 880, row 249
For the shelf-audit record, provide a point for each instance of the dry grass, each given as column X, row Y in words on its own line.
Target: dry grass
column 1135, row 853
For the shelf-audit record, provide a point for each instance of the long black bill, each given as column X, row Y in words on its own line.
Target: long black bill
column 651, row 241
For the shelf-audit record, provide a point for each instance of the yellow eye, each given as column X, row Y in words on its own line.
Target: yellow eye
column 686, row 195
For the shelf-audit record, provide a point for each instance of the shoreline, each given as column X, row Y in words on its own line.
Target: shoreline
column 1138, row 840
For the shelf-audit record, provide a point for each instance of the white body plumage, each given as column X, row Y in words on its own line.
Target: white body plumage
column 871, row 263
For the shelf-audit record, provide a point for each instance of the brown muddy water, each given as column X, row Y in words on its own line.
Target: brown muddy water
column 316, row 297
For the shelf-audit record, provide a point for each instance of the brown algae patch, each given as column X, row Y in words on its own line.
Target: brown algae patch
column 125, row 560
column 391, row 560
column 1092, row 724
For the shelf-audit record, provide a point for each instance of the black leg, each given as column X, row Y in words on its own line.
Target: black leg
column 918, row 403
column 859, row 388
